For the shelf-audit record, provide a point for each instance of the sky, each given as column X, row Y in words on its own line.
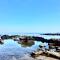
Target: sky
column 30, row 16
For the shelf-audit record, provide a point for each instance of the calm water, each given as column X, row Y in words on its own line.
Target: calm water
column 13, row 48
column 50, row 36
column 45, row 36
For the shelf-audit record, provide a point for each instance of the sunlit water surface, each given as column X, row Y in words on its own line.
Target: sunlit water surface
column 11, row 48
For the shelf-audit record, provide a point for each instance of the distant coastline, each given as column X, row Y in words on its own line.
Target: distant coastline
column 53, row 34
column 58, row 34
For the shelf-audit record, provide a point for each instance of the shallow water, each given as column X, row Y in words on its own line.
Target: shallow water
column 38, row 34
column 11, row 48
column 50, row 36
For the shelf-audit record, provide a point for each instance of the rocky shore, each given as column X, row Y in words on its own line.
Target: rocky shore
column 53, row 52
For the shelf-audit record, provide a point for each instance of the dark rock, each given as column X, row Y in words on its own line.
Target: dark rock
column 40, row 39
column 5, row 37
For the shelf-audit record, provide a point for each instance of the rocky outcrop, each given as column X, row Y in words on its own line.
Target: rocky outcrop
column 46, row 53
column 40, row 39
column 5, row 37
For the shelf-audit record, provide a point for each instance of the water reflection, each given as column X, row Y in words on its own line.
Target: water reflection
column 1, row 41
column 11, row 47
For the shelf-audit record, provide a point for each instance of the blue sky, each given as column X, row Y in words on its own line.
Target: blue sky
column 29, row 16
